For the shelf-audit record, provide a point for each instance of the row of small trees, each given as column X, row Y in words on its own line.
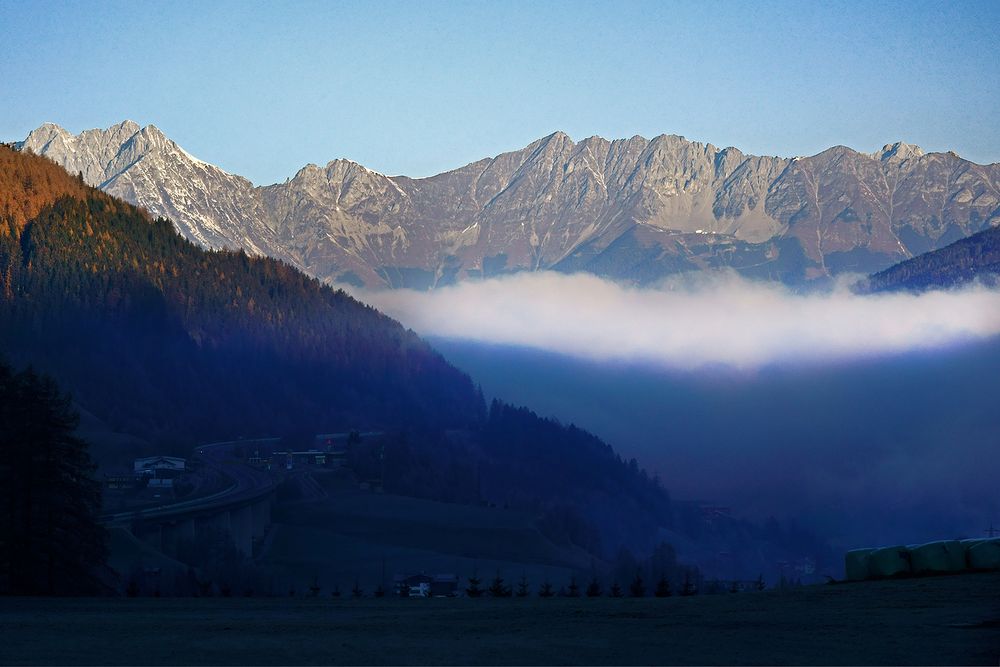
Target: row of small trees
column 637, row 588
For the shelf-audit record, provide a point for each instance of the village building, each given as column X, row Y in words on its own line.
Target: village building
column 159, row 470
column 426, row 585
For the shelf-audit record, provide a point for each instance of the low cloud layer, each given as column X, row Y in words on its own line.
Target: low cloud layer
column 719, row 320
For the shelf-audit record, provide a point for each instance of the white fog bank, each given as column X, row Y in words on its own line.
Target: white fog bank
column 718, row 320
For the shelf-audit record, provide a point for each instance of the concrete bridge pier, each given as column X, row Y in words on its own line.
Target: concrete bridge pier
column 208, row 527
column 150, row 533
column 173, row 534
column 261, row 517
column 241, row 529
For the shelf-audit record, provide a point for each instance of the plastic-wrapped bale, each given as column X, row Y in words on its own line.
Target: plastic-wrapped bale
column 889, row 562
column 968, row 544
column 944, row 556
column 985, row 555
column 856, row 564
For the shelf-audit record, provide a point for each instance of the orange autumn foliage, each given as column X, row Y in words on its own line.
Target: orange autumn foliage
column 29, row 183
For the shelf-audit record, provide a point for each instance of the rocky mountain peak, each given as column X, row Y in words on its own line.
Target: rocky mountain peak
column 633, row 209
column 899, row 152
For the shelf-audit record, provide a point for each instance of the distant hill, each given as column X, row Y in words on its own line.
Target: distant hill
column 976, row 257
column 164, row 341
column 632, row 209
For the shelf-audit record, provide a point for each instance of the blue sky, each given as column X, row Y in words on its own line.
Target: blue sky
column 416, row 88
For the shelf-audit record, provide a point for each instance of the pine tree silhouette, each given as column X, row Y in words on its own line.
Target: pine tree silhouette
column 594, row 588
column 473, row 590
column 637, row 588
column 663, row 588
column 50, row 540
column 498, row 589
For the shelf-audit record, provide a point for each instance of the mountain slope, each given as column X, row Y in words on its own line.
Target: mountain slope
column 630, row 209
column 185, row 344
column 165, row 341
column 976, row 257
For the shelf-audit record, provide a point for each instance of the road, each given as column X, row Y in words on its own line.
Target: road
column 247, row 483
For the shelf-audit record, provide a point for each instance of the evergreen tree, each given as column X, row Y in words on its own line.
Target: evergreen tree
column 357, row 591
column 594, row 588
column 498, row 589
column 473, row 590
column 522, row 587
column 574, row 588
column 616, row 590
column 663, row 588
column 637, row 588
column 545, row 591
column 50, row 540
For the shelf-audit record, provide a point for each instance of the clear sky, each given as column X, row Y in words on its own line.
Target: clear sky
column 420, row 87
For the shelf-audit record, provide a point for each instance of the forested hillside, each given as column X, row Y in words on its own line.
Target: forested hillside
column 974, row 257
column 165, row 341
column 162, row 339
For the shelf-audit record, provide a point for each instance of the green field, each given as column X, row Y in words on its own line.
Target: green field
column 939, row 620
column 353, row 535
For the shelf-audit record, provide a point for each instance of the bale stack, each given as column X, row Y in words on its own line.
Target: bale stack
column 984, row 555
column 857, row 564
column 937, row 557
column 941, row 557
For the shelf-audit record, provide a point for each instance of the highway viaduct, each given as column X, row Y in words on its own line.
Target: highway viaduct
column 241, row 511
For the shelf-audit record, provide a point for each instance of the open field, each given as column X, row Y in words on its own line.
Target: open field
column 359, row 535
column 939, row 620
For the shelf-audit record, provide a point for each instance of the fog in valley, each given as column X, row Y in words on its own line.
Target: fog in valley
column 868, row 419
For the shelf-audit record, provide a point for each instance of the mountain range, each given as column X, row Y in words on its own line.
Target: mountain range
column 630, row 209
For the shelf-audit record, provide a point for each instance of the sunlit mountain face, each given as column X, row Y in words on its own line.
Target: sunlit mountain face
column 633, row 209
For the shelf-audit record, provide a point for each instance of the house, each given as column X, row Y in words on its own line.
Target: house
column 426, row 585
column 159, row 470
column 289, row 459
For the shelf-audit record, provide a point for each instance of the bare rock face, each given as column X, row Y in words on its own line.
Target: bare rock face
column 142, row 166
column 631, row 209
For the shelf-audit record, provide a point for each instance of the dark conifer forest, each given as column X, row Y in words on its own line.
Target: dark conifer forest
column 976, row 257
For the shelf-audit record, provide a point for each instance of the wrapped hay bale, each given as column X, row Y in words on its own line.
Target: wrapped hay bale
column 943, row 556
column 856, row 564
column 985, row 555
column 889, row 562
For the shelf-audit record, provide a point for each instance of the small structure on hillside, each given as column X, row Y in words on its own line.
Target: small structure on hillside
column 426, row 585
